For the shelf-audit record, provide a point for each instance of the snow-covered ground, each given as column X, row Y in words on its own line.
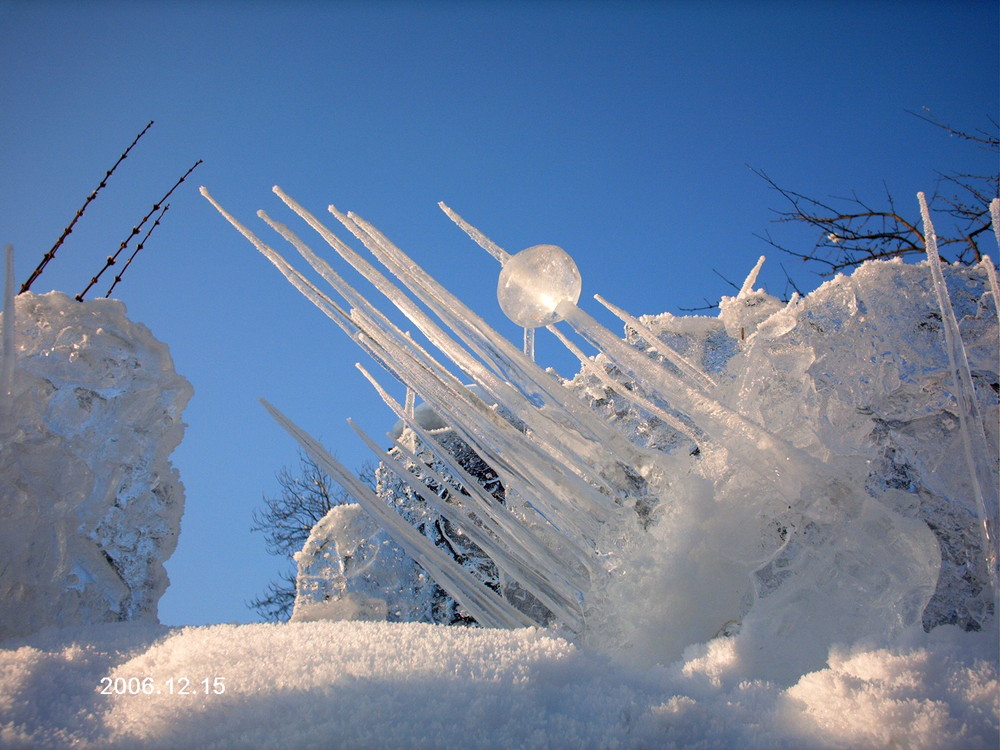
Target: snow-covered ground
column 408, row 685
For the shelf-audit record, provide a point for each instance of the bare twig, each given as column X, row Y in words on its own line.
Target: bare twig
column 984, row 138
column 851, row 231
column 707, row 306
column 66, row 232
column 135, row 252
column 112, row 259
column 731, row 283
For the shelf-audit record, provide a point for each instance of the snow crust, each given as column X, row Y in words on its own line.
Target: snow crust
column 409, row 685
column 90, row 504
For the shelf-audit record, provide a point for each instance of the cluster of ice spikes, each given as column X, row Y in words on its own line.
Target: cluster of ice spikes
column 569, row 474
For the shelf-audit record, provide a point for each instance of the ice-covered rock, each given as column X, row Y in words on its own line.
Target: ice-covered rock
column 90, row 504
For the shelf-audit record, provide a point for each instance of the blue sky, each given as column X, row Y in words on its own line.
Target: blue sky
column 619, row 131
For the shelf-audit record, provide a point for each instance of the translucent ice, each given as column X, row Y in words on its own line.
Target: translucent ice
column 534, row 282
column 90, row 505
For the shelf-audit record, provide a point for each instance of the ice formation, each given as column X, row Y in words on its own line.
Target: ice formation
column 795, row 475
column 534, row 282
column 90, row 505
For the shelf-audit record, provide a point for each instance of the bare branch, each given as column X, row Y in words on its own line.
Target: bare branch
column 850, row 230
column 112, row 259
column 66, row 232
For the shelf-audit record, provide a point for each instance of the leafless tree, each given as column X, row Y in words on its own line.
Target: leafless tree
column 307, row 494
column 852, row 230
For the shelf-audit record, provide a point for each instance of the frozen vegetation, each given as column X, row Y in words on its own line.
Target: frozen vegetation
column 90, row 504
column 772, row 528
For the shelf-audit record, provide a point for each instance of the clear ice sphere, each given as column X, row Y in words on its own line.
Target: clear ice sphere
column 533, row 283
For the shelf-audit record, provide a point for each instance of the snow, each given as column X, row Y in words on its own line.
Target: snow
column 407, row 685
column 90, row 505
column 534, row 282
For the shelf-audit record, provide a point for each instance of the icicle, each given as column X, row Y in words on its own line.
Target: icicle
column 485, row 505
column 715, row 419
column 478, row 237
column 700, row 377
column 481, row 602
column 599, row 372
column 9, row 342
column 521, row 570
column 991, row 279
column 499, row 520
column 538, row 475
column 307, row 288
column 978, row 457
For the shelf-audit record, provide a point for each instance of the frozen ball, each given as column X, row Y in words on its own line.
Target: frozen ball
column 533, row 283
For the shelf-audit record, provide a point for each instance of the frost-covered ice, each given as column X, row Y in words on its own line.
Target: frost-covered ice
column 90, row 505
column 407, row 685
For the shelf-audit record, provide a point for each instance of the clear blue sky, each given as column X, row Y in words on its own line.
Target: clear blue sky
column 619, row 131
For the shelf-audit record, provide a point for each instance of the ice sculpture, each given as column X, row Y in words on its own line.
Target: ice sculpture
column 90, row 505
column 707, row 476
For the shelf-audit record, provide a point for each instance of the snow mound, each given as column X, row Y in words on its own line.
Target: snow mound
column 409, row 685
column 90, row 505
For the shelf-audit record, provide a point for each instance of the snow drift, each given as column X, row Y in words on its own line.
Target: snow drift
column 90, row 504
column 408, row 685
